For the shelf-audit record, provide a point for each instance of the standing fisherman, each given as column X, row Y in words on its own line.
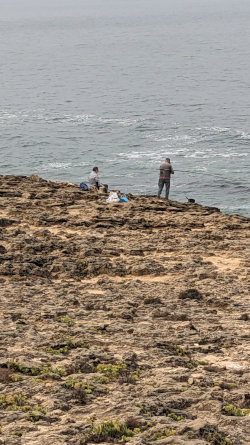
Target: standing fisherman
column 166, row 171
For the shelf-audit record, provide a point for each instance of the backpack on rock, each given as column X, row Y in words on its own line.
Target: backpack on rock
column 84, row 187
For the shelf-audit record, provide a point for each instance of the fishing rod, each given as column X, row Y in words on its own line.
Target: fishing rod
column 195, row 173
column 209, row 174
column 198, row 173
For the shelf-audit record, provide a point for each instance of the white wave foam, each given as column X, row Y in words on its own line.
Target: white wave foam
column 133, row 154
column 173, row 138
column 244, row 135
column 231, row 131
column 5, row 115
column 79, row 118
column 83, row 119
column 215, row 129
column 198, row 154
column 231, row 155
column 55, row 166
column 161, row 153
column 242, row 206
column 80, row 164
column 7, row 118
column 124, row 122
column 150, row 155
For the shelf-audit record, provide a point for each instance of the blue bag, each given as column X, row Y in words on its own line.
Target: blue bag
column 84, row 187
column 123, row 199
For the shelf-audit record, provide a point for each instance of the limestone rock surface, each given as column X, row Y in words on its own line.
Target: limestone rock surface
column 132, row 314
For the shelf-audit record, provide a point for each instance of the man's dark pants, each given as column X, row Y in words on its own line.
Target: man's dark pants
column 161, row 185
column 103, row 185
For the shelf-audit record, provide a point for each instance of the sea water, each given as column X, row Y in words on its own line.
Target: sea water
column 122, row 84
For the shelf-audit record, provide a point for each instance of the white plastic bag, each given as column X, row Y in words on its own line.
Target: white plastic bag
column 113, row 197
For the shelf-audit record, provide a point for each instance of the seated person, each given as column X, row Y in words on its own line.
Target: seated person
column 94, row 180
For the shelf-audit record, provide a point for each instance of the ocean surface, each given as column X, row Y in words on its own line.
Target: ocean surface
column 122, row 84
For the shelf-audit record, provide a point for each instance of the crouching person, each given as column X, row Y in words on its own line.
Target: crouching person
column 94, row 180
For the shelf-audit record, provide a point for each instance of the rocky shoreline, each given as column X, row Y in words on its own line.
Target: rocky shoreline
column 121, row 322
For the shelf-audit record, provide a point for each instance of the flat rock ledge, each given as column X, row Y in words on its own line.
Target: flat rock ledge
column 121, row 322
